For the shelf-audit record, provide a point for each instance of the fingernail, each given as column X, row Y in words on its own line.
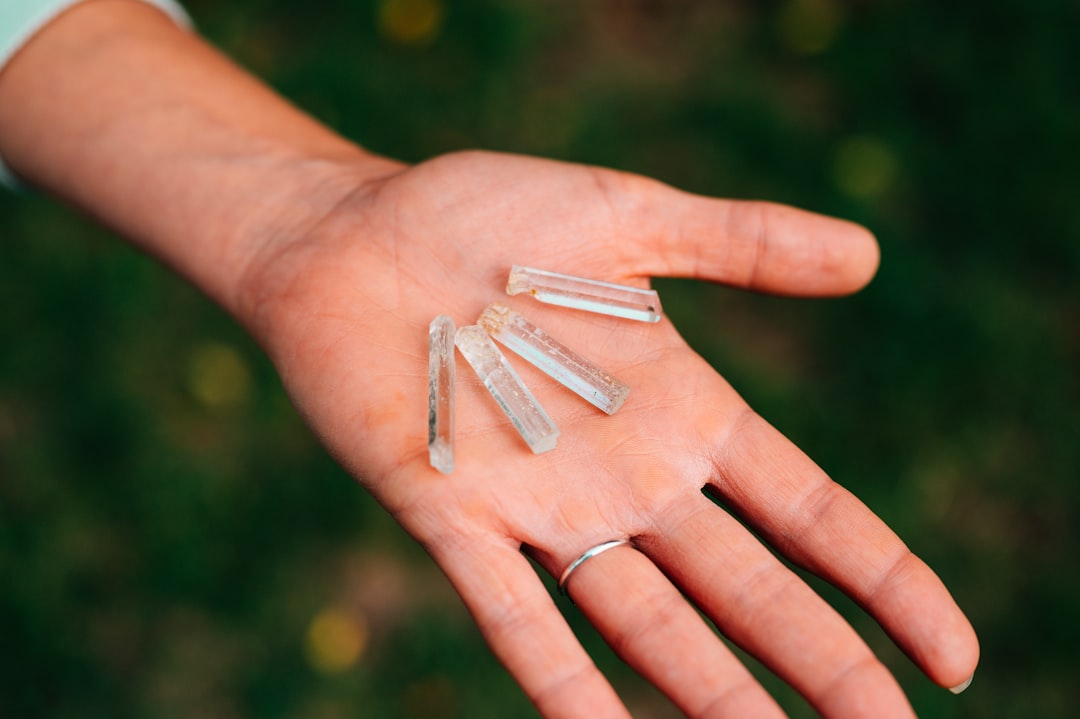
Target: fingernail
column 961, row 687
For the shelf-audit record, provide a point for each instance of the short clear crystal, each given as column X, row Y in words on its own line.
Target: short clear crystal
column 583, row 294
column 441, row 394
column 504, row 384
column 554, row 358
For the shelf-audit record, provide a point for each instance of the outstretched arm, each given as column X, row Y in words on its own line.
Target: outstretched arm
column 117, row 110
column 337, row 259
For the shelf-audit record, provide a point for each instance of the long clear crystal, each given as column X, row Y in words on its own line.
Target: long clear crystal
column 504, row 384
column 441, row 394
column 605, row 298
column 554, row 358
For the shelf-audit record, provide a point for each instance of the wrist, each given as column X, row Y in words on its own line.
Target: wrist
column 296, row 201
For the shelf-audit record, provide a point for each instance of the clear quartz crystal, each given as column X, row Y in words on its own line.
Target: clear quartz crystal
column 583, row 294
column 504, row 384
column 554, row 358
column 441, row 394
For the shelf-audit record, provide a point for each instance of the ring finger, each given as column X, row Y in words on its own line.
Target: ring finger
column 652, row 627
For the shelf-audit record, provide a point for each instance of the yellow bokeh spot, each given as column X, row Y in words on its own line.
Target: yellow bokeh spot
column 218, row 377
column 410, row 22
column 335, row 640
column 808, row 27
column 864, row 167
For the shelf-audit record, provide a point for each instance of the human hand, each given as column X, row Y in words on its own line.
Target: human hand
column 338, row 261
column 343, row 304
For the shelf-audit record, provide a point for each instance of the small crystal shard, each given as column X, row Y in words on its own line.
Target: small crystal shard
column 504, row 384
column 441, row 394
column 554, row 358
column 583, row 294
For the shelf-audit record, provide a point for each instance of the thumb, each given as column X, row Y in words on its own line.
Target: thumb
column 756, row 245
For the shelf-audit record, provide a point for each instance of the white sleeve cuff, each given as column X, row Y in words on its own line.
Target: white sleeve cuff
column 20, row 20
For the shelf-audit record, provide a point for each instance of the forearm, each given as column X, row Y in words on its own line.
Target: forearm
column 138, row 122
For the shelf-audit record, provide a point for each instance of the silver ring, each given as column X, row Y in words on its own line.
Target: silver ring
column 586, row 555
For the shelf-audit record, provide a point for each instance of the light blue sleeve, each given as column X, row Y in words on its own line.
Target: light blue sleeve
column 20, row 19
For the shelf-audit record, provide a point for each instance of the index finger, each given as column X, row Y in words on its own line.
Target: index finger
column 821, row 526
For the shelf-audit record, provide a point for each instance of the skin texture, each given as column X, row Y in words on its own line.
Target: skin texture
column 336, row 260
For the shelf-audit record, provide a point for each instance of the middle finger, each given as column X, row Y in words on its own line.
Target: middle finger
column 768, row 610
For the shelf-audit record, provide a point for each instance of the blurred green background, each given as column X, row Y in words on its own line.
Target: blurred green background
column 173, row 543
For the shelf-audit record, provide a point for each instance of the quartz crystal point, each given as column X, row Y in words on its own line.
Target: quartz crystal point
column 441, row 394
column 504, row 384
column 582, row 294
column 560, row 362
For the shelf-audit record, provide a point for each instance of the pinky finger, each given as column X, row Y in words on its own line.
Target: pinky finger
column 522, row 625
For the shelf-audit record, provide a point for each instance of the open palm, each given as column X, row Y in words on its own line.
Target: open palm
column 343, row 308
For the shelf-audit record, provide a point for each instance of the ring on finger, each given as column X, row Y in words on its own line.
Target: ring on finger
column 584, row 557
